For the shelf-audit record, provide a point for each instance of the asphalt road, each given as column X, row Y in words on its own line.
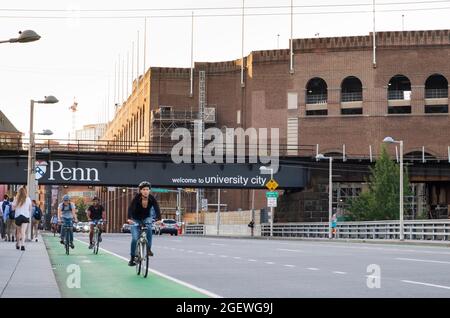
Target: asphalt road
column 276, row 268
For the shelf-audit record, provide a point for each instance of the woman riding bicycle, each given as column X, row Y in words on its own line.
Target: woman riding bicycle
column 139, row 213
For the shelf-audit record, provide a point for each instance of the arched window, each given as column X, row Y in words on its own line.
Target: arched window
column 316, row 97
column 399, row 95
column 351, row 89
column 351, row 96
column 399, row 87
column 436, row 94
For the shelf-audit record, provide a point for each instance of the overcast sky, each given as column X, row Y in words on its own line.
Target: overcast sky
column 76, row 55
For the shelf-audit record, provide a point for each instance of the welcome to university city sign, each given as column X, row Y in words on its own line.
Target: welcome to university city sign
column 159, row 173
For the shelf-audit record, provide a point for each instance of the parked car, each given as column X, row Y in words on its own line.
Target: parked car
column 126, row 228
column 167, row 226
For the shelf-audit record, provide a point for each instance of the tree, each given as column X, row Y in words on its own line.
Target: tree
column 381, row 201
column 81, row 210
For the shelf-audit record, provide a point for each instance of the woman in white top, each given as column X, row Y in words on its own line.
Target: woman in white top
column 22, row 205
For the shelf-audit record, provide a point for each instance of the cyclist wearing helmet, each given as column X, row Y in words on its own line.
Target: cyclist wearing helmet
column 139, row 213
column 95, row 213
column 67, row 214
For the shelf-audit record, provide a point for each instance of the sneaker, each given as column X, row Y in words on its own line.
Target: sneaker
column 149, row 252
column 17, row 247
column 36, row 240
column 131, row 262
column 91, row 246
column 72, row 246
column 22, row 248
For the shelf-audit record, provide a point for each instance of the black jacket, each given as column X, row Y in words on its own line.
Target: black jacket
column 137, row 212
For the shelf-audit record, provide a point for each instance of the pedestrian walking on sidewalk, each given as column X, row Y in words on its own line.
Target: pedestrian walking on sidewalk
column 22, row 206
column 37, row 216
column 3, row 206
column 8, row 221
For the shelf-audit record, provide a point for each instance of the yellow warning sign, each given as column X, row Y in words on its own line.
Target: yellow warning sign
column 271, row 185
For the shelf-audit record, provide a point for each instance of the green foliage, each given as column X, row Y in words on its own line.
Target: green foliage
column 381, row 201
column 81, row 210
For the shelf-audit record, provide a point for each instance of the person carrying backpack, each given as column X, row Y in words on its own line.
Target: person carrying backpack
column 37, row 216
column 2, row 214
column 8, row 219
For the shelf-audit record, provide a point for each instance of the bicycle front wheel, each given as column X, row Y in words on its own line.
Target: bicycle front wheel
column 145, row 259
column 96, row 242
column 138, row 259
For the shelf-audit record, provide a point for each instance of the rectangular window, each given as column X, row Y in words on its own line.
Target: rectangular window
column 399, row 110
column 436, row 109
column 351, row 111
column 292, row 100
column 143, row 120
column 292, row 135
column 238, row 119
column 319, row 112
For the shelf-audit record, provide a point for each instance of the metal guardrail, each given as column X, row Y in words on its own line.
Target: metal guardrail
column 399, row 95
column 436, row 230
column 195, row 229
column 351, row 97
column 316, row 99
column 436, row 93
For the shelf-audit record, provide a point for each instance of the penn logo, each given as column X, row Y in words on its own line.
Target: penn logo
column 41, row 169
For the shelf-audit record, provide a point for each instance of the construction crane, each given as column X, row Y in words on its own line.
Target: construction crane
column 73, row 109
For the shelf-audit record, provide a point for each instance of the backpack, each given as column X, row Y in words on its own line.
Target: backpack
column 12, row 213
column 37, row 215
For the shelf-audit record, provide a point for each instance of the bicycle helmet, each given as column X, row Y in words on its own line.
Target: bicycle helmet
column 144, row 184
column 66, row 198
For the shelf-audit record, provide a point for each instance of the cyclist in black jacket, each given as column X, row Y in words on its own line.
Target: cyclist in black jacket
column 139, row 213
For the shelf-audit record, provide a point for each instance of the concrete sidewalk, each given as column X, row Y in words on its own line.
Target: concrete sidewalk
column 26, row 274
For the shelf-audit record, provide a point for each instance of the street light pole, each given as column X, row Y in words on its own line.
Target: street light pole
column 330, row 192
column 401, row 191
column 31, row 168
column 31, row 173
column 391, row 140
column 330, row 197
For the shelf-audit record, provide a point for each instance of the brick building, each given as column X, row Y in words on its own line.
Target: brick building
column 340, row 98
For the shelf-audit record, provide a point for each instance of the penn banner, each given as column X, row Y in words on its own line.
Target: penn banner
column 161, row 174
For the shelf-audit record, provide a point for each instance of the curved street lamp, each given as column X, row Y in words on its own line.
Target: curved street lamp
column 24, row 37
column 390, row 140
column 31, row 180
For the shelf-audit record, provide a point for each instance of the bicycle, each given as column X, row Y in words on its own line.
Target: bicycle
column 141, row 259
column 67, row 229
column 95, row 240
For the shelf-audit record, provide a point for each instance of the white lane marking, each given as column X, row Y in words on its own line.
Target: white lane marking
column 421, row 260
column 217, row 244
column 287, row 265
column 252, row 260
column 86, row 261
column 425, row 284
column 341, row 273
column 365, row 247
column 312, row 269
column 269, row 263
column 176, row 280
column 288, row 250
column 223, row 256
column 181, row 249
column 200, row 253
column 190, row 251
column 237, row 257
column 211, row 254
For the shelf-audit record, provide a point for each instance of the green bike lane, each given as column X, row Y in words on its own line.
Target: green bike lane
column 107, row 276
